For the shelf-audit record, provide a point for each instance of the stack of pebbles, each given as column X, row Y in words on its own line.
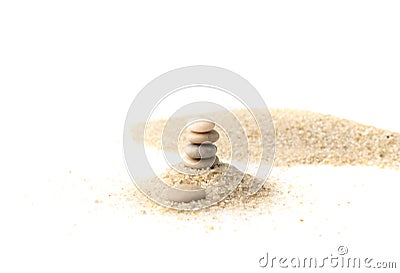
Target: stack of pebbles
column 201, row 152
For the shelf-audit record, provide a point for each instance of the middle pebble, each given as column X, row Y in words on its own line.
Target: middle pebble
column 198, row 151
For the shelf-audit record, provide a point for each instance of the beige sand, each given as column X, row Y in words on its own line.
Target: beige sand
column 302, row 138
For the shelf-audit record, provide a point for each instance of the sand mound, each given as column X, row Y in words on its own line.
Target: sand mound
column 302, row 138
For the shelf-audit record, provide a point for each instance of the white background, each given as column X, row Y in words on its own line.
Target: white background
column 69, row 70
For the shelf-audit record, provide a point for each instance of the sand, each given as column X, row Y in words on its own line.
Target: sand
column 303, row 138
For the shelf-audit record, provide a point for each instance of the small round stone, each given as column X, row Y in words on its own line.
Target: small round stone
column 202, row 126
column 197, row 151
column 198, row 163
column 198, row 138
column 185, row 193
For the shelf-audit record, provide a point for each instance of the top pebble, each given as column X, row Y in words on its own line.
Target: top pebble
column 202, row 126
